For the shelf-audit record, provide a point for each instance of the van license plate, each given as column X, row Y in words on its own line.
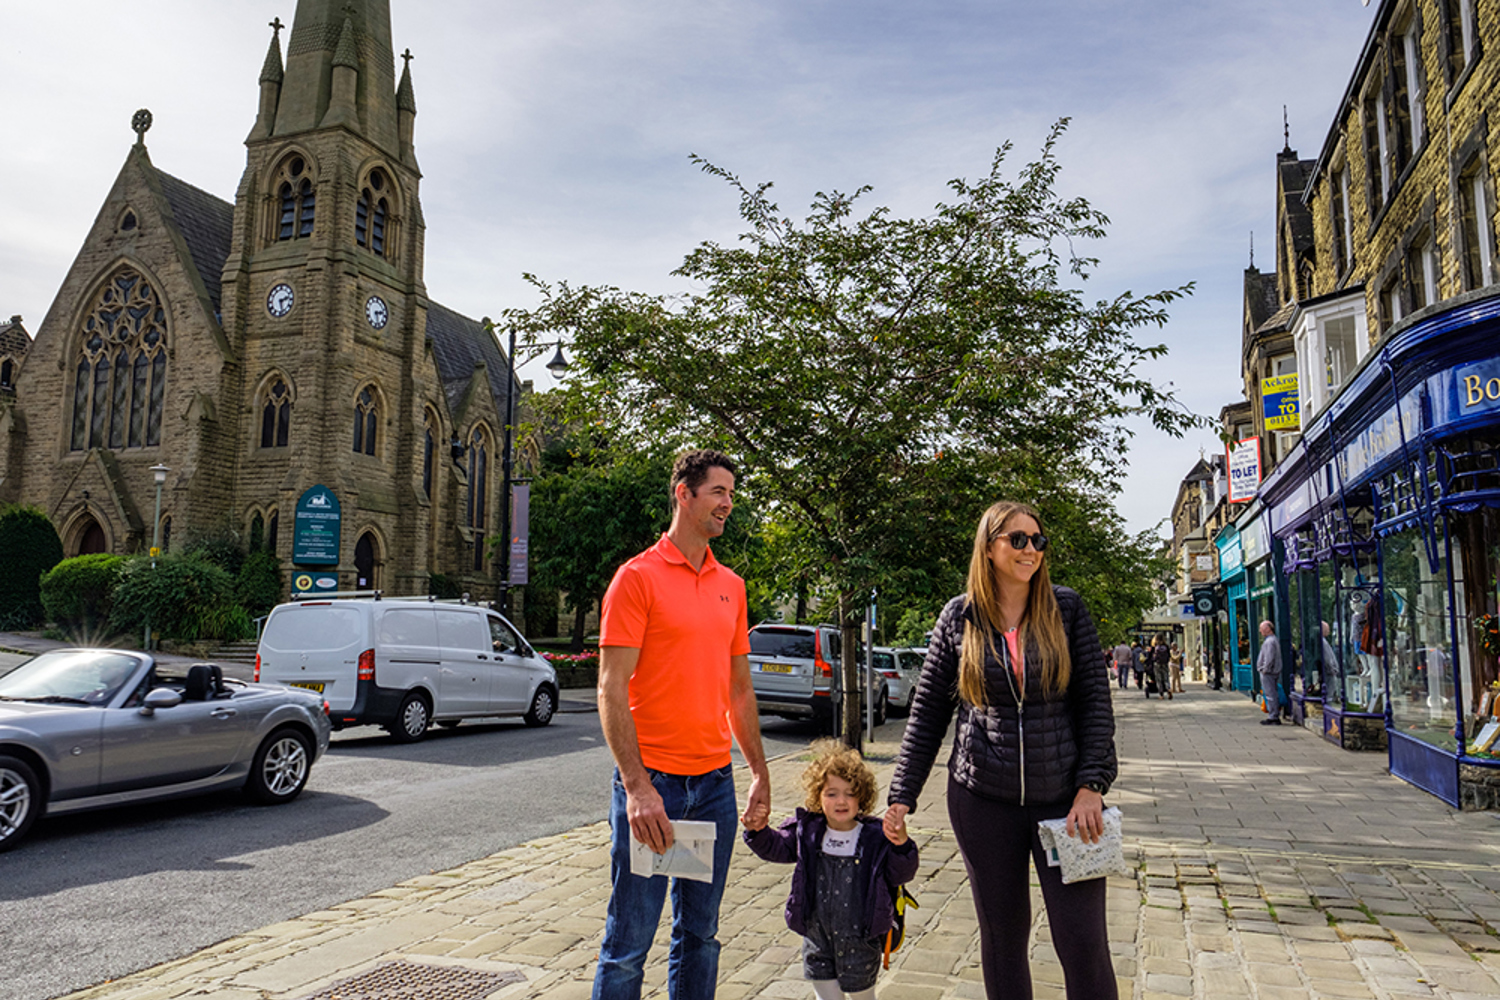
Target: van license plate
column 775, row 668
column 305, row 684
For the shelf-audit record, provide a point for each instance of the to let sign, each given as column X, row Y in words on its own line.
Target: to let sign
column 1279, row 400
column 315, row 537
column 1244, row 470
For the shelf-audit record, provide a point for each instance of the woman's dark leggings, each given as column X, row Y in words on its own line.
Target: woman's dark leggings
column 997, row 840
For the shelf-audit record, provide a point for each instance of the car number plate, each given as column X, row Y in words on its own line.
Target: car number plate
column 775, row 668
column 307, row 684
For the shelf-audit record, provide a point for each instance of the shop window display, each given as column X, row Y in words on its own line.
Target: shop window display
column 1417, row 637
column 1307, row 634
column 1355, row 631
column 1333, row 667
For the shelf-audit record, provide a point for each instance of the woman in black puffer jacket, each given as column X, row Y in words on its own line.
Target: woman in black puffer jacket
column 1035, row 740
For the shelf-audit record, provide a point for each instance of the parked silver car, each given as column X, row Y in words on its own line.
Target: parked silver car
column 792, row 667
column 901, row 668
column 92, row 728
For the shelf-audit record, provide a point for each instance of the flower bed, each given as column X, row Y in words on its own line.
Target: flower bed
column 575, row 670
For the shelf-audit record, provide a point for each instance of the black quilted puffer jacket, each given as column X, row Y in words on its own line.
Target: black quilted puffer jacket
column 1042, row 753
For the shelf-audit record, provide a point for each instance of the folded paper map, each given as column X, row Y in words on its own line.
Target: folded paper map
column 690, row 856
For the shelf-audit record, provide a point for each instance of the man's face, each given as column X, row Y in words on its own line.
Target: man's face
column 709, row 508
column 1265, row 630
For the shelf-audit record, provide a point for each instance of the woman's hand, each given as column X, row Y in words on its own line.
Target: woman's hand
column 1086, row 818
column 895, row 824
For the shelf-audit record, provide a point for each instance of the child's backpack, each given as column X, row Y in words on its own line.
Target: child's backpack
column 896, row 936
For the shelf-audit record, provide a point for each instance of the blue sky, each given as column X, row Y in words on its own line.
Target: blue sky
column 554, row 137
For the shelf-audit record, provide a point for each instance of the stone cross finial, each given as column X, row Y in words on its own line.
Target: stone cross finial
column 408, row 57
column 276, row 27
column 141, row 123
column 1286, row 128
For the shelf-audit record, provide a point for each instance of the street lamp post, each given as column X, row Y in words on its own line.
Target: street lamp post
column 158, row 473
column 557, row 366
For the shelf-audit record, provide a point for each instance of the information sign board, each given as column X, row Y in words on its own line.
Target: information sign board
column 315, row 536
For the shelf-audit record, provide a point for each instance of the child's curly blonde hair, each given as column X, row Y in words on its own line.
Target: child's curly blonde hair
column 832, row 757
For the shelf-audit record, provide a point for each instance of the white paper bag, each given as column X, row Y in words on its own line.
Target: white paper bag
column 690, row 856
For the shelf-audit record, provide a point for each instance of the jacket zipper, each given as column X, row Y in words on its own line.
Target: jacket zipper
column 1020, row 693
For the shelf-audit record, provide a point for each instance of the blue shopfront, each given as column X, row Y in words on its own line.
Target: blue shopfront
column 1388, row 511
column 1236, row 650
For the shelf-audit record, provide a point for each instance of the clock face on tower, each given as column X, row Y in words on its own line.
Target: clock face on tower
column 279, row 302
column 376, row 312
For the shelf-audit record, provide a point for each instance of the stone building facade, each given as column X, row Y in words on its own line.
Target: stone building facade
column 261, row 348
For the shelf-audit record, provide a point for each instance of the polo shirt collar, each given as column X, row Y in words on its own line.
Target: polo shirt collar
column 669, row 551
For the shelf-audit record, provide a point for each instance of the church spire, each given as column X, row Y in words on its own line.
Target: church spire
column 270, row 85
column 406, row 113
column 333, row 41
column 341, row 109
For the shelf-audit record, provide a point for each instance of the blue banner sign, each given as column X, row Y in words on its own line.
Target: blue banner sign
column 315, row 535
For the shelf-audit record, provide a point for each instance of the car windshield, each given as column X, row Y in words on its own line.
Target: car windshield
column 89, row 677
column 791, row 642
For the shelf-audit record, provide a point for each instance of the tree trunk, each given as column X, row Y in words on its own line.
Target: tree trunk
column 851, row 718
column 580, row 613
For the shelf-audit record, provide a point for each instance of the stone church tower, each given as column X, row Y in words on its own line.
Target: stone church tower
column 267, row 347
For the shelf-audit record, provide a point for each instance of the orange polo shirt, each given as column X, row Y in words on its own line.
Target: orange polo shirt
column 687, row 624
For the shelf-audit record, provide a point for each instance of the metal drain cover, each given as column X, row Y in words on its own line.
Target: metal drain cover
column 411, row 981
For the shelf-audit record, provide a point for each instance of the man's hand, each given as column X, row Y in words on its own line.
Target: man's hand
column 894, row 824
column 1086, row 818
column 758, row 805
column 648, row 817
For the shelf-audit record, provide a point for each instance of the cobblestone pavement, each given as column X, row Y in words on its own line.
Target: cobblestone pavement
column 1270, row 865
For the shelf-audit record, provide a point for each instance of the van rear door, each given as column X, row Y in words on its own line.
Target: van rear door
column 315, row 645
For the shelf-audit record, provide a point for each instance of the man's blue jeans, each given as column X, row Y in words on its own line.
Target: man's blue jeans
column 635, row 903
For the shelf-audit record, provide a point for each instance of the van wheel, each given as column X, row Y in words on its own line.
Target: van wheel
column 543, row 707
column 411, row 719
column 20, row 801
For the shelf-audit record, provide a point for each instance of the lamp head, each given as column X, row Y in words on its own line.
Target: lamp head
column 558, row 366
column 159, row 473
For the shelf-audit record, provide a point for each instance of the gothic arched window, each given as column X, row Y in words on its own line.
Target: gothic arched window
column 370, row 214
column 298, row 201
column 429, row 450
column 271, row 529
column 478, row 491
column 366, row 419
column 120, row 380
column 276, row 415
column 7, row 372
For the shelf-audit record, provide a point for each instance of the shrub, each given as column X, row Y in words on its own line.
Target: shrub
column 29, row 547
column 258, row 586
column 184, row 598
column 443, row 587
column 77, row 592
column 222, row 550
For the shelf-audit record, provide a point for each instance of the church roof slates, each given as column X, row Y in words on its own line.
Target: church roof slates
column 206, row 224
column 458, row 342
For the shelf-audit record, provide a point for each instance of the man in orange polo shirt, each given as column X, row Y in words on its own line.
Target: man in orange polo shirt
column 674, row 683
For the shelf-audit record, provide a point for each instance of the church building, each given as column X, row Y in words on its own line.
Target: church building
column 274, row 350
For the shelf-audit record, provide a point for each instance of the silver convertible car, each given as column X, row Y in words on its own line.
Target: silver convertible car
column 92, row 728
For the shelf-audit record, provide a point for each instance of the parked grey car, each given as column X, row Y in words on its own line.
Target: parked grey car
column 901, row 668
column 791, row 671
column 92, row 728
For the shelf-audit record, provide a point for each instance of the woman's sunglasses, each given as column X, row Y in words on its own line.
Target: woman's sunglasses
column 1018, row 540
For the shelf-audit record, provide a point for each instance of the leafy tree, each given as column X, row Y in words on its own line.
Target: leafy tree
column 181, row 597
column 77, row 592
column 257, row 586
column 29, row 547
column 589, row 514
column 873, row 371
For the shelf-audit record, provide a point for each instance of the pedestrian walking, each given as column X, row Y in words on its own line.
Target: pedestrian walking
column 1268, row 665
column 1123, row 659
column 1175, row 664
column 1156, row 657
column 1138, row 663
column 674, row 683
column 848, row 868
column 1015, row 656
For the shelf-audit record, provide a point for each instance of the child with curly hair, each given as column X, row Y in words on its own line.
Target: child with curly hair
column 842, row 900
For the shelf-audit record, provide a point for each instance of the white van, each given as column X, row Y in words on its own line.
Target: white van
column 404, row 663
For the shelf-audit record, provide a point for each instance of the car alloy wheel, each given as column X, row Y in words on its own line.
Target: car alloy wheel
column 543, row 707
column 280, row 768
column 20, row 801
column 412, row 719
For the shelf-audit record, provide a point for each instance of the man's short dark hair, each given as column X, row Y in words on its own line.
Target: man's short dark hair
column 692, row 468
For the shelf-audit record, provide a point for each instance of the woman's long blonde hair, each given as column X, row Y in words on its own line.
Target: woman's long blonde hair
column 1040, row 625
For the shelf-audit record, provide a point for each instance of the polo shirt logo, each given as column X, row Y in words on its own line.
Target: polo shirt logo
column 724, row 598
